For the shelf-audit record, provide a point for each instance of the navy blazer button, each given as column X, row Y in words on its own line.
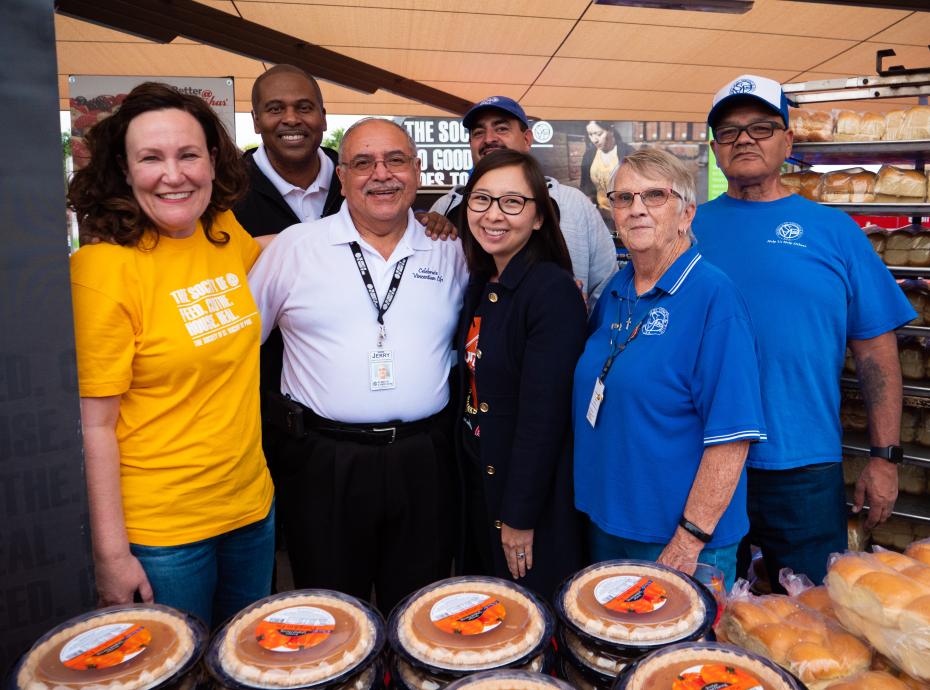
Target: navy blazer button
column 498, row 524
column 490, row 469
column 483, row 407
column 493, row 296
column 478, row 354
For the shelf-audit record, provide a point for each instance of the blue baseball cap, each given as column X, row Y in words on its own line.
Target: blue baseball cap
column 508, row 105
column 750, row 87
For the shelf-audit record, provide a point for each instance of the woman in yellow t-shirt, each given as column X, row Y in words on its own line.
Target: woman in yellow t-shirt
column 167, row 333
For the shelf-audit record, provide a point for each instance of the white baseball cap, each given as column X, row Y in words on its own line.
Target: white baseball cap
column 749, row 86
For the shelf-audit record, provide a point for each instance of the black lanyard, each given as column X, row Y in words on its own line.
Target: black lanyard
column 380, row 307
column 615, row 348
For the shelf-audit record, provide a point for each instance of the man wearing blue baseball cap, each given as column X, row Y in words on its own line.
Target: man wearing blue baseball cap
column 498, row 122
column 813, row 285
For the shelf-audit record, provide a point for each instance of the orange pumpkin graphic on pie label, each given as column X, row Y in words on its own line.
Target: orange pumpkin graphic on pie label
column 105, row 646
column 294, row 628
column 715, row 677
column 467, row 613
column 630, row 594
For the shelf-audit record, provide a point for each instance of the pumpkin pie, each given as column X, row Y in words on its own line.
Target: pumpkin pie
column 634, row 604
column 470, row 623
column 296, row 639
column 700, row 665
column 509, row 679
column 132, row 647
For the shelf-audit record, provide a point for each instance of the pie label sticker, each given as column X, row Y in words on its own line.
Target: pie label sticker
column 467, row 613
column 630, row 594
column 295, row 628
column 715, row 677
column 105, row 646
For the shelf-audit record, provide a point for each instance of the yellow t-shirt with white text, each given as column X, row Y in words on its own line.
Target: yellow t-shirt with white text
column 175, row 332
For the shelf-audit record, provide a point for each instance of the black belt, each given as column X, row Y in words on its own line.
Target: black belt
column 369, row 434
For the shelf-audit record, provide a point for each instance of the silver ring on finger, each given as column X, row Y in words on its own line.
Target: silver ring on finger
column 521, row 554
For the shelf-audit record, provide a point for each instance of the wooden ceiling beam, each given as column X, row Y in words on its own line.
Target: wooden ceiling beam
column 164, row 20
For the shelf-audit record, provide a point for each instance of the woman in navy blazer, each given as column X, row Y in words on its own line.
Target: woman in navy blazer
column 522, row 330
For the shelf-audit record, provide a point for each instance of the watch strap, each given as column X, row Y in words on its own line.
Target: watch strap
column 694, row 530
column 893, row 454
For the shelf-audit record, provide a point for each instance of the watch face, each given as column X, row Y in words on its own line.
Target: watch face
column 891, row 453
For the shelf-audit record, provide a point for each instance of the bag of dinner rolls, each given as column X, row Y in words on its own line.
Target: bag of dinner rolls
column 798, row 638
column 881, row 598
column 870, row 680
column 916, row 123
column 812, row 125
column 802, row 590
column 900, row 185
column 894, row 121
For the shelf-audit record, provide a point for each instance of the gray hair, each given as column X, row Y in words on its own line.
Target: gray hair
column 403, row 130
column 658, row 163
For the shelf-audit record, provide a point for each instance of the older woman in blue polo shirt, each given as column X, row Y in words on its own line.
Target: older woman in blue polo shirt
column 666, row 394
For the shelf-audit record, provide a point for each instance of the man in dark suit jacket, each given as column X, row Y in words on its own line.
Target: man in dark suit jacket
column 293, row 179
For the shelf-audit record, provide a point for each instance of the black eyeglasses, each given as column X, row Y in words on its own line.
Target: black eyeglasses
column 756, row 130
column 511, row 204
column 657, row 196
column 364, row 166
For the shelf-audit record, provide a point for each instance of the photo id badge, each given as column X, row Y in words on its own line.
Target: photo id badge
column 381, row 370
column 594, row 406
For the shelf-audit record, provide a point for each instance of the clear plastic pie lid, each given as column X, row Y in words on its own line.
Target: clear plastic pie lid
column 466, row 624
column 706, row 665
column 634, row 606
column 509, row 679
column 405, row 676
column 304, row 638
column 600, row 666
column 126, row 647
column 577, row 678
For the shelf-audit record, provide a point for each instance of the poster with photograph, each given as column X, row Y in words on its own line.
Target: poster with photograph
column 93, row 98
column 581, row 153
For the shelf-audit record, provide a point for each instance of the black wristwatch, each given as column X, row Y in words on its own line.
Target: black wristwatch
column 893, row 454
column 694, row 530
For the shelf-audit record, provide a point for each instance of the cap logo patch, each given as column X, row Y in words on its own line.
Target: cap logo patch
column 488, row 101
column 743, row 86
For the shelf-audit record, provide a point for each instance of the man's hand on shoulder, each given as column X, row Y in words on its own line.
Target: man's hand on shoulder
column 438, row 227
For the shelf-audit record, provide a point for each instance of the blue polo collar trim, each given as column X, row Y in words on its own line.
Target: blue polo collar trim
column 676, row 275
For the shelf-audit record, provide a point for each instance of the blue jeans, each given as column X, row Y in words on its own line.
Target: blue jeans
column 214, row 578
column 607, row 547
column 797, row 517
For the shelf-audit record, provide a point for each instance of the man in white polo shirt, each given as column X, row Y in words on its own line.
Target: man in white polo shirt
column 367, row 307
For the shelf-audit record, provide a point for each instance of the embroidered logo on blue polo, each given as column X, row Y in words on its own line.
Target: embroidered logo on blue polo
column 789, row 233
column 743, row 86
column 656, row 321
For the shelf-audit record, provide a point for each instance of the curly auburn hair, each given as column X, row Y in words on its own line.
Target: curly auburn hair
column 102, row 198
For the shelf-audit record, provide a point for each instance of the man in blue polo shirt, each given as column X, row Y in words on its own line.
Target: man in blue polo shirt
column 813, row 285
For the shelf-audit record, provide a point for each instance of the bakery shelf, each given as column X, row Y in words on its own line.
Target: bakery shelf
column 910, row 271
column 877, row 209
column 857, row 442
column 910, row 389
column 860, row 152
column 907, row 506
